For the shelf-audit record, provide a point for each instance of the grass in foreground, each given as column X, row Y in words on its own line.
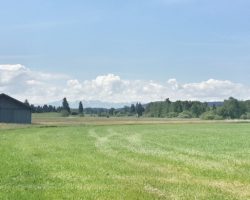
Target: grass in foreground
column 173, row 161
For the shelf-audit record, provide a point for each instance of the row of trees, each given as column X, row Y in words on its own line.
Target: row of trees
column 49, row 108
column 229, row 109
column 66, row 111
column 44, row 108
column 184, row 109
column 135, row 110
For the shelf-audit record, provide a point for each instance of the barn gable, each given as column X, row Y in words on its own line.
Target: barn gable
column 13, row 111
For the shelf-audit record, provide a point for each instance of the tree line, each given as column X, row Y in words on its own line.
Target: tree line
column 65, row 110
column 229, row 109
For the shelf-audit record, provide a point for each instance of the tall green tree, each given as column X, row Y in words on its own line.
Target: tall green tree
column 232, row 109
column 26, row 102
column 80, row 109
column 132, row 109
column 65, row 105
column 177, row 106
column 198, row 108
column 111, row 111
column 139, row 109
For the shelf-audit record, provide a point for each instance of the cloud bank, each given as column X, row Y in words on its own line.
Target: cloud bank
column 39, row 87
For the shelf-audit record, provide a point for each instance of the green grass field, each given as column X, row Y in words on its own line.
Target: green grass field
column 147, row 161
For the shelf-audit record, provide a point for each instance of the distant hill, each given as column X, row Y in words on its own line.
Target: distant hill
column 216, row 103
column 92, row 104
column 104, row 104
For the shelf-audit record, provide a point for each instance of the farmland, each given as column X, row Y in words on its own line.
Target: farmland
column 88, row 158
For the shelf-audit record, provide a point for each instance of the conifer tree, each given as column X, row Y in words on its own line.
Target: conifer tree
column 80, row 109
column 65, row 105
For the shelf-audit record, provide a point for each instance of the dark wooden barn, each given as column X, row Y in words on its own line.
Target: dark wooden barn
column 13, row 111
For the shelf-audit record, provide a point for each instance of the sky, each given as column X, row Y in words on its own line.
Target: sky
column 124, row 51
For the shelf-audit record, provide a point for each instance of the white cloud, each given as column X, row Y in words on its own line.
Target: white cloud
column 174, row 84
column 39, row 87
column 23, row 83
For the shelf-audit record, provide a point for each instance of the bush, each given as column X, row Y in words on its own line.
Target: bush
column 172, row 114
column 245, row 116
column 218, row 117
column 120, row 114
column 102, row 114
column 64, row 113
column 210, row 115
column 185, row 114
column 74, row 113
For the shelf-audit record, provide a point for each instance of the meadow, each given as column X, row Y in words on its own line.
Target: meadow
column 88, row 158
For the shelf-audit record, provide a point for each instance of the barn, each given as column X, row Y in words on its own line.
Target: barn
column 13, row 111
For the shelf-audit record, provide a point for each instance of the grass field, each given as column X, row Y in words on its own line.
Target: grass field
column 140, row 161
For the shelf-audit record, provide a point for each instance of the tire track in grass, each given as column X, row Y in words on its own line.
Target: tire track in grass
column 134, row 143
column 235, row 188
column 155, row 191
column 102, row 143
column 134, row 140
column 204, row 160
column 189, row 158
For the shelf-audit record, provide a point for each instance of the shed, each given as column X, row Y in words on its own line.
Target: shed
column 14, row 111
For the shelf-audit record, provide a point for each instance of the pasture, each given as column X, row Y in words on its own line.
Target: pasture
column 117, row 160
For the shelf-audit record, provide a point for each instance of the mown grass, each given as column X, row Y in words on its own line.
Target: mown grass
column 157, row 161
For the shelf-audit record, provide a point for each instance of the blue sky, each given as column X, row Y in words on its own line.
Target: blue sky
column 188, row 40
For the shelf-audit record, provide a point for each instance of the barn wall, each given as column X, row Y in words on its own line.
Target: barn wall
column 15, row 116
column 11, row 112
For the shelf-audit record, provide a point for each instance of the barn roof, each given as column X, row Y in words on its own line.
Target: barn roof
column 14, row 100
